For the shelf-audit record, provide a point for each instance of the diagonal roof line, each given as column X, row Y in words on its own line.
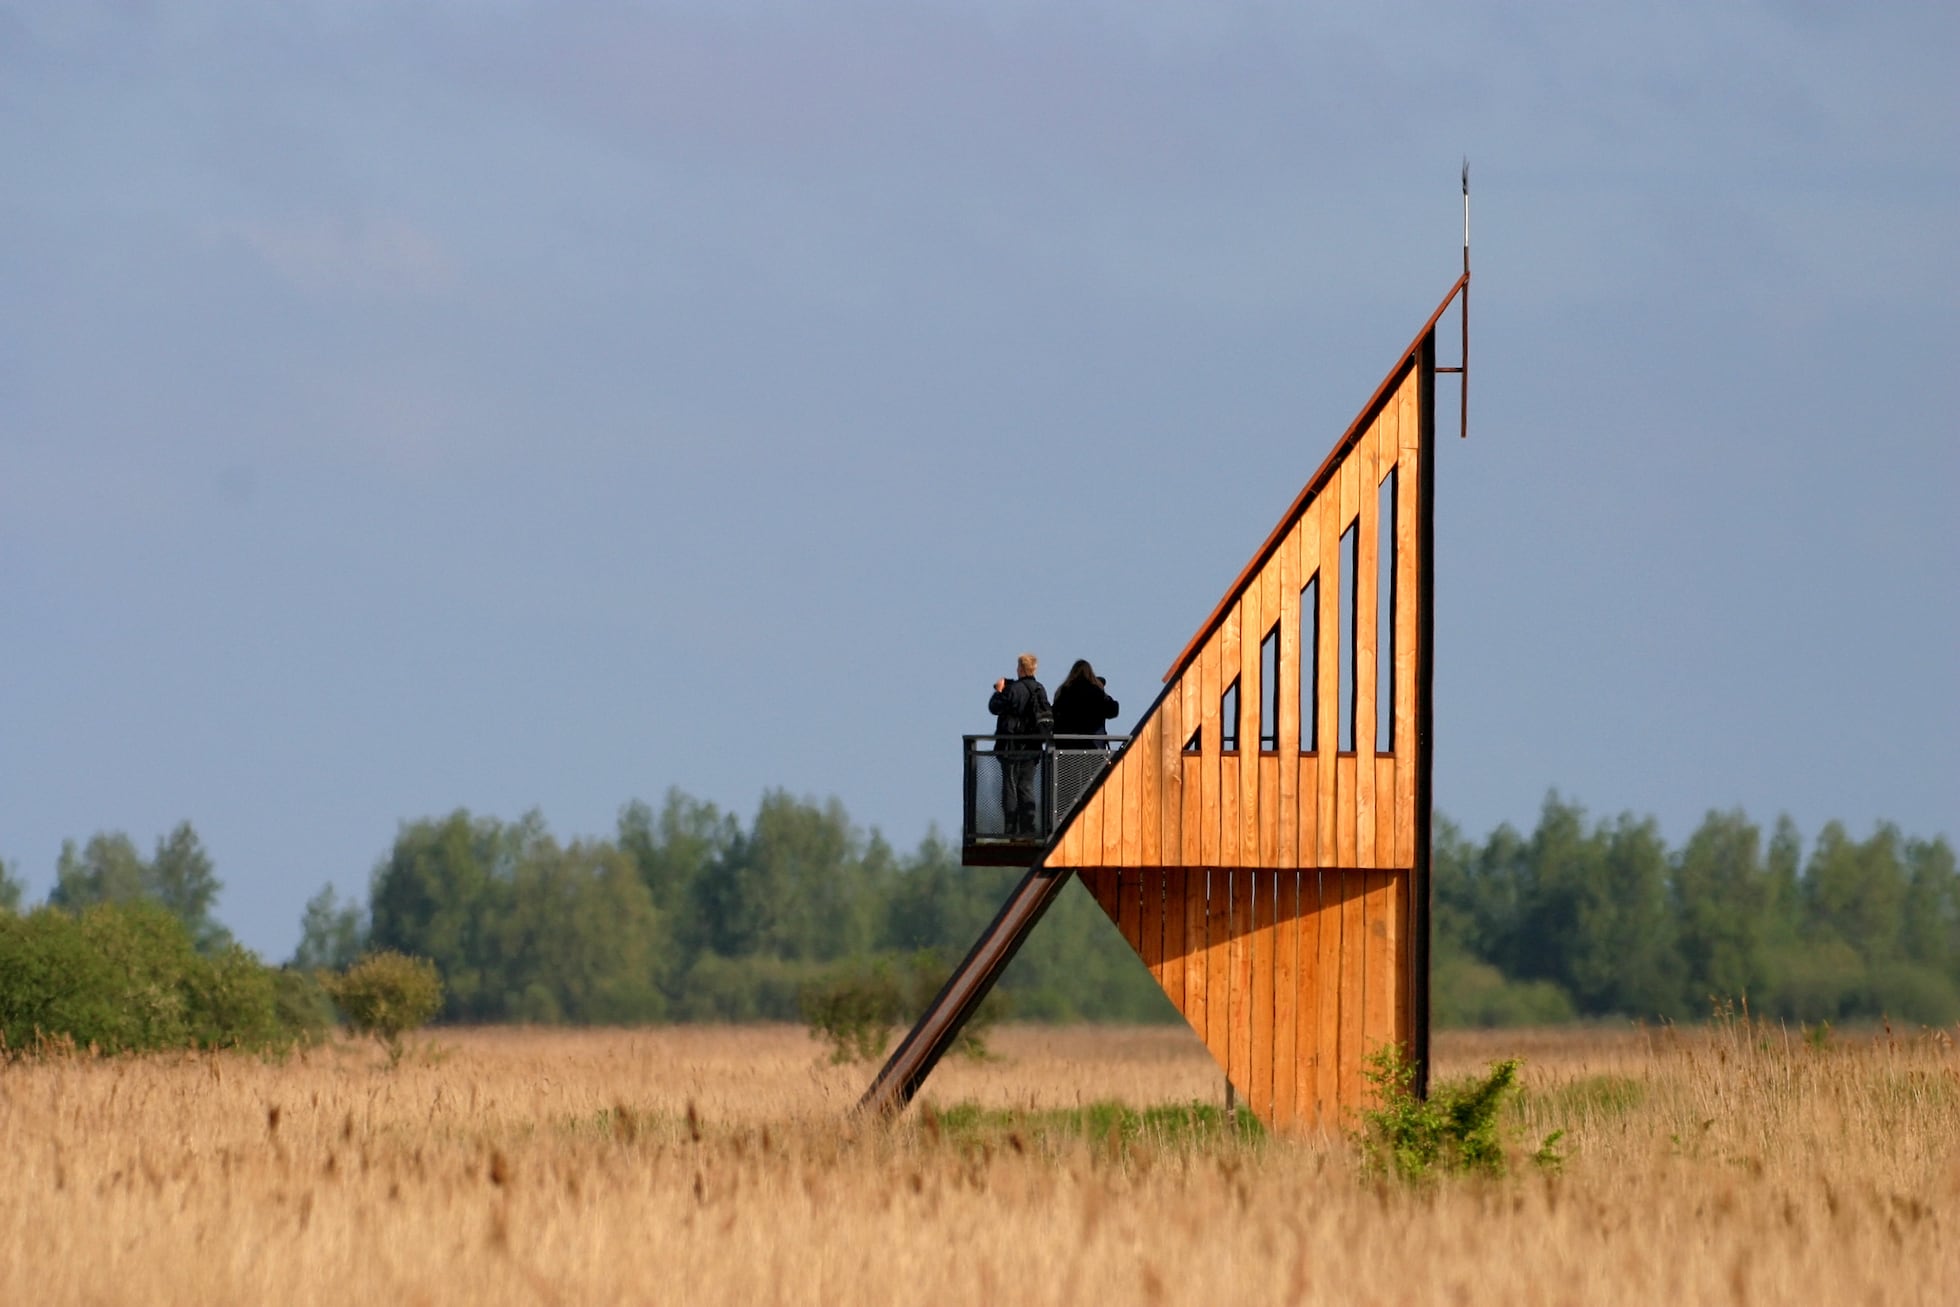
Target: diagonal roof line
column 1315, row 483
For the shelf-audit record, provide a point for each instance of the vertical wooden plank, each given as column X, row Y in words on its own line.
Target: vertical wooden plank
column 1208, row 692
column 1252, row 629
column 1366, row 614
column 1268, row 810
column 1196, row 976
column 1218, row 969
column 1378, row 1019
column 1170, row 778
column 1327, row 1069
column 1269, row 618
column 1241, row 963
column 1143, row 756
column 1407, row 578
column 1306, row 852
column 1064, row 854
column 1286, row 994
column 1385, row 809
column 1264, row 1002
column 1190, row 768
column 1306, row 1056
column 1331, row 525
column 1150, row 918
column 1402, row 972
column 1136, row 777
column 1102, row 888
column 1090, row 819
column 1134, row 890
column 1309, row 811
column 1344, row 800
column 1344, row 805
column 1174, row 945
column 1112, row 795
column 1229, row 640
column 1354, row 986
column 1287, row 793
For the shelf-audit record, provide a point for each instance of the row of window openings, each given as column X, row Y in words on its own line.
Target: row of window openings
column 1347, row 652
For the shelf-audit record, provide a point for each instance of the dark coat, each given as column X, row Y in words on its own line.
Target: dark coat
column 1083, row 708
column 1016, row 707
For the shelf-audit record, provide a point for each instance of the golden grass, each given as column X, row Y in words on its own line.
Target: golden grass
column 713, row 1166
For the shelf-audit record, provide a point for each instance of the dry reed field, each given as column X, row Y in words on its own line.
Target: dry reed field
column 1737, row 1165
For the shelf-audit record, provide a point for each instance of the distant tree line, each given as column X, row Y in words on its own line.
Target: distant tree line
column 1599, row 917
column 687, row 913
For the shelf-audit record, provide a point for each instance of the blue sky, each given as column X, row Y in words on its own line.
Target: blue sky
column 418, row 405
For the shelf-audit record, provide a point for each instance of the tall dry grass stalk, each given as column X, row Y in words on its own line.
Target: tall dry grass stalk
column 1734, row 1165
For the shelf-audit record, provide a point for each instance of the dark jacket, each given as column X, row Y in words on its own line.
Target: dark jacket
column 1018, row 706
column 1082, row 708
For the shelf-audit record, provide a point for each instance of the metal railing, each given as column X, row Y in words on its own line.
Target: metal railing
column 1019, row 788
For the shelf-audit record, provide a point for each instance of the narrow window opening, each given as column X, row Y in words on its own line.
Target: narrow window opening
column 1196, row 743
column 1228, row 718
column 1310, row 664
column 1350, row 553
column 1385, row 618
column 1269, row 690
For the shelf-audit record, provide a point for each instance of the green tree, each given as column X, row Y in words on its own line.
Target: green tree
column 180, row 877
column 1855, row 892
column 442, row 894
column 108, row 869
column 674, row 848
column 332, row 934
column 1724, row 896
column 790, row 887
column 386, row 995
column 11, row 888
column 581, row 940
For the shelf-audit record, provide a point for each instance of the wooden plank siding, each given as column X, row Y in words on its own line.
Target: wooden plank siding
column 1270, row 890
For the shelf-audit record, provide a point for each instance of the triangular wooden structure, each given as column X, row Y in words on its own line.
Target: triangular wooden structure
column 1263, row 839
column 1277, row 890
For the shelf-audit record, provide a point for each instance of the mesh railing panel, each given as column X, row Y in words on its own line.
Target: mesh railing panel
column 984, row 779
column 1062, row 775
column 1075, row 771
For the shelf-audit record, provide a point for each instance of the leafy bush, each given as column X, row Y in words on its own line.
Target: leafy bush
column 857, row 1005
column 1454, row 1131
column 1468, row 993
column 854, row 1010
column 232, row 1001
column 755, row 988
column 305, row 1010
column 386, row 995
column 127, row 977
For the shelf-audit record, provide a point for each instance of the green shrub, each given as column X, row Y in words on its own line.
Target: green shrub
column 305, row 1011
column 856, row 1005
column 386, row 995
column 1469, row 993
column 127, row 977
column 1454, row 1131
column 232, row 1001
column 854, row 1010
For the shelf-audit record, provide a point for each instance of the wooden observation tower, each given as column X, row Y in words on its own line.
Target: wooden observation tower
column 1262, row 838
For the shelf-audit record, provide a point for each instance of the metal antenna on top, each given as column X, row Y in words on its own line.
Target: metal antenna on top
column 1463, row 378
column 1463, row 372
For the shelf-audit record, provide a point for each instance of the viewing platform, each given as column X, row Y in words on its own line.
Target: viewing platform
column 1065, row 766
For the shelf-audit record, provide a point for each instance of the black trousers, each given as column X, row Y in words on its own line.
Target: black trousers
column 1020, row 809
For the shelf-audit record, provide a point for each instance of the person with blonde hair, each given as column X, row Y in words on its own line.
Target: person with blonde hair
column 1023, row 721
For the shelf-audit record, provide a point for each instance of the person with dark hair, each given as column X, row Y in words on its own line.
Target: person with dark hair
column 1083, row 706
column 1021, row 709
